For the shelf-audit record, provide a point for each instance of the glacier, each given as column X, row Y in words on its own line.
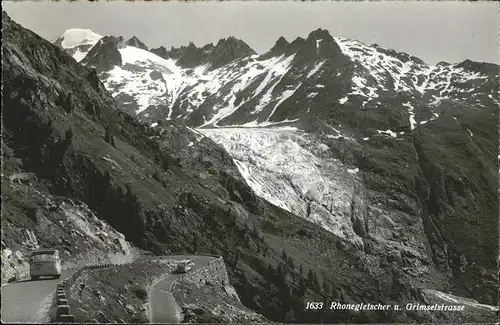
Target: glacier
column 293, row 169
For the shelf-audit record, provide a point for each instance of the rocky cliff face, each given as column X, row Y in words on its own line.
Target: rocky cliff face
column 214, row 273
column 31, row 148
column 105, row 55
column 135, row 42
column 225, row 51
column 34, row 219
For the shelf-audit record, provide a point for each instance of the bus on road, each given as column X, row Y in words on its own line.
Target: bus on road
column 184, row 266
column 45, row 262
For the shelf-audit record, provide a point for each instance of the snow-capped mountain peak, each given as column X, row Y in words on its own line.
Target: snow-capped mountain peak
column 77, row 42
column 77, row 36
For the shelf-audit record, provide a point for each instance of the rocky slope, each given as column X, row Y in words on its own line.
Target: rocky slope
column 32, row 216
column 32, row 219
column 168, row 189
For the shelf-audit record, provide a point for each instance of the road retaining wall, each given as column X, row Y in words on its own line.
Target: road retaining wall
column 63, row 312
column 214, row 273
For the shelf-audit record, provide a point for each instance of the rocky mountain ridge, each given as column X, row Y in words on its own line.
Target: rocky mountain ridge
column 318, row 74
column 225, row 51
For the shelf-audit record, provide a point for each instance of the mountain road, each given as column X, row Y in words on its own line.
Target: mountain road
column 28, row 301
column 25, row 301
column 164, row 308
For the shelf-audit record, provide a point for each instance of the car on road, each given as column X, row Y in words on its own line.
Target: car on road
column 45, row 262
column 184, row 266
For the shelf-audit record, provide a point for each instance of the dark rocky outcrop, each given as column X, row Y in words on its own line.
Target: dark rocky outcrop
column 279, row 47
column 482, row 67
column 228, row 50
column 134, row 41
column 161, row 52
column 404, row 57
column 318, row 46
column 191, row 56
column 105, row 55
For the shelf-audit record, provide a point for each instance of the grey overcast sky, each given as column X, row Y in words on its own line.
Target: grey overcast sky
column 433, row 31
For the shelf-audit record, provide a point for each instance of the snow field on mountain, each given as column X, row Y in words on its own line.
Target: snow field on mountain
column 240, row 80
column 134, row 55
column 254, row 124
column 413, row 123
column 459, row 300
column 134, row 79
column 315, row 69
column 276, row 69
column 79, row 55
column 176, row 80
column 376, row 62
column 405, row 75
column 343, row 100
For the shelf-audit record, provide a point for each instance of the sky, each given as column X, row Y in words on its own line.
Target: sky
column 432, row 31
